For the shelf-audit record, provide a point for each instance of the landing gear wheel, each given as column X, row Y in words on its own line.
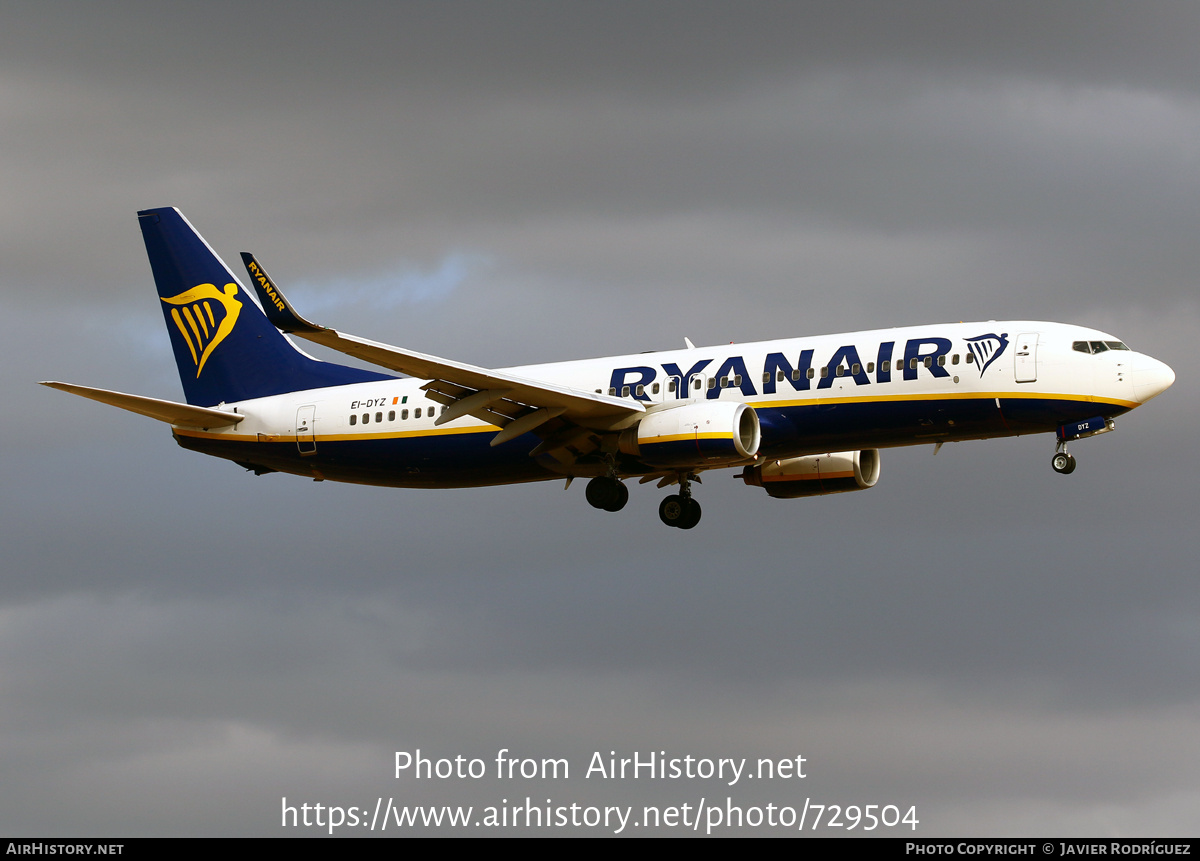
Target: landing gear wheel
column 680, row 511
column 692, row 514
column 670, row 510
column 622, row 497
column 606, row 493
column 1063, row 463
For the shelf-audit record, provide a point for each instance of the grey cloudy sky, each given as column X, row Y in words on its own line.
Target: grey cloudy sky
column 182, row 643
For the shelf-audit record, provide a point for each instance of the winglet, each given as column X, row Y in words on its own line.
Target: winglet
column 279, row 311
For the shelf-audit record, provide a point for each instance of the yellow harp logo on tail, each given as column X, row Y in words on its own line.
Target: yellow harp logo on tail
column 202, row 329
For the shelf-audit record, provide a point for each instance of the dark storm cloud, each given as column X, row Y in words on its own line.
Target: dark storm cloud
column 672, row 48
column 361, row 130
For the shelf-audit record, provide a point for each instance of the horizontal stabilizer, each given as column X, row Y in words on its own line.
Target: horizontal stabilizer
column 183, row 415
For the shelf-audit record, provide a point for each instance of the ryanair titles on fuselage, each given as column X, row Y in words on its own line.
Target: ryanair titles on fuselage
column 846, row 363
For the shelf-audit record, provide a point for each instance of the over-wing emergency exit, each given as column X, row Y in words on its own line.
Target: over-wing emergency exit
column 800, row 416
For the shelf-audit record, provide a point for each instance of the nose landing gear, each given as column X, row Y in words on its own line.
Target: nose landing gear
column 1063, row 462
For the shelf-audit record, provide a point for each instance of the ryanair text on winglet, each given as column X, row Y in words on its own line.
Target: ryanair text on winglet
column 267, row 286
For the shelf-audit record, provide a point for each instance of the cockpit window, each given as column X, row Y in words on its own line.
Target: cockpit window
column 1097, row 346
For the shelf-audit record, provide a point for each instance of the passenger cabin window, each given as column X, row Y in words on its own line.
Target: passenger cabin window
column 391, row 415
column 856, row 369
column 366, row 417
column 378, row 417
column 886, row 367
column 954, row 359
column 870, row 367
column 417, row 413
column 403, row 415
column 824, row 372
column 970, row 358
column 812, row 373
column 353, row 420
column 654, row 389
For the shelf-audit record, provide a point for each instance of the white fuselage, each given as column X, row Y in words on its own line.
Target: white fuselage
column 858, row 390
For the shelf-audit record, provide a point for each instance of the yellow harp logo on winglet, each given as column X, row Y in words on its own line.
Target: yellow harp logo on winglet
column 202, row 329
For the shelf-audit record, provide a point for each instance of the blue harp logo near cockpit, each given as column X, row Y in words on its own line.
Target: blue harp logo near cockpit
column 987, row 349
column 205, row 316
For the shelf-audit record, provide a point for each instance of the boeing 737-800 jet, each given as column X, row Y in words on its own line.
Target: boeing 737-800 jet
column 800, row 416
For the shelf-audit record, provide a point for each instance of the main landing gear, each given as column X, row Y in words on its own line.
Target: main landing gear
column 607, row 493
column 679, row 509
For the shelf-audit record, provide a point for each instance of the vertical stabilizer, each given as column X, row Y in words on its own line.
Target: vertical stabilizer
column 225, row 348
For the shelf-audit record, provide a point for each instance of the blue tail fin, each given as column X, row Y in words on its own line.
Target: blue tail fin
column 225, row 348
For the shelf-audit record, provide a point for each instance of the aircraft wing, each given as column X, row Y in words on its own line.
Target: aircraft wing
column 182, row 415
column 514, row 403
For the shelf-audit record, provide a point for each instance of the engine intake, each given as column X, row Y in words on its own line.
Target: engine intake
column 816, row 475
column 697, row 434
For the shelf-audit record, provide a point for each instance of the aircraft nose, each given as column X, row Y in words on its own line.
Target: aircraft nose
column 1150, row 378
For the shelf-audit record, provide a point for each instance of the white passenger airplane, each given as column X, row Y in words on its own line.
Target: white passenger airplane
column 800, row 416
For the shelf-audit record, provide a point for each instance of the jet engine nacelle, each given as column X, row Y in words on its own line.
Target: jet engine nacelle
column 817, row 474
column 697, row 434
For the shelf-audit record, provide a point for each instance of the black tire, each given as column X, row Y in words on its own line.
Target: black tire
column 671, row 510
column 1070, row 465
column 691, row 514
column 1062, row 463
column 603, row 493
column 679, row 511
column 621, row 498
